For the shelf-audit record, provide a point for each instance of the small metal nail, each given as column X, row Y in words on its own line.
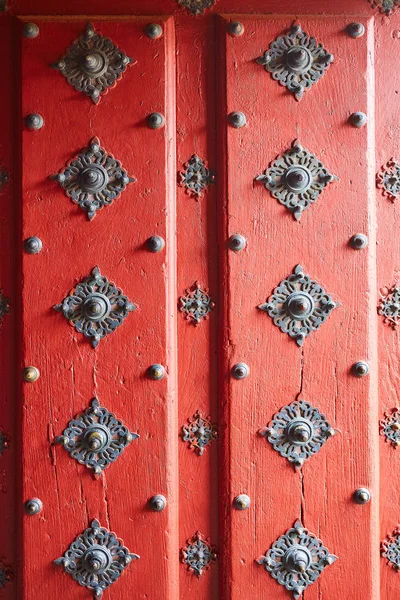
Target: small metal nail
column 235, row 28
column 355, row 30
column 362, row 496
column 154, row 30
column 360, row 369
column 237, row 242
column 31, row 374
column 158, row 502
column 242, row 502
column 155, row 243
column 237, row 119
column 31, row 30
column 155, row 120
column 240, row 371
column 359, row 241
column 33, row 506
column 34, row 121
column 358, row 119
column 156, row 372
column 33, row 245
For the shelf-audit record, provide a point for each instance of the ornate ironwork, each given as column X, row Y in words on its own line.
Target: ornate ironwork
column 299, row 305
column 196, row 7
column 4, row 306
column 389, row 306
column 385, row 6
column 6, row 575
column 296, row 178
column 199, row 432
column 93, row 178
column 96, row 307
column 390, row 549
column 198, row 554
column 4, row 442
column 296, row 60
column 298, row 431
column 197, row 177
column 390, row 427
column 197, row 304
column 297, row 559
column 93, row 64
column 96, row 559
column 388, row 179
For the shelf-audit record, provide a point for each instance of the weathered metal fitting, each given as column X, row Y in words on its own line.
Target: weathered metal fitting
column 359, row 241
column 154, row 31
column 155, row 120
column 237, row 242
column 355, row 30
column 31, row 374
column 242, row 502
column 155, row 243
column 235, row 28
column 360, row 369
column 156, row 372
column 362, row 496
column 33, row 245
column 358, row 119
column 31, row 30
column 34, row 121
column 240, row 371
column 158, row 503
column 237, row 119
column 33, row 506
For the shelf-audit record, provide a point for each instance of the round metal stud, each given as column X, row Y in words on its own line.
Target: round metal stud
column 33, row 506
column 298, row 59
column 358, row 119
column 360, row 369
column 237, row 242
column 33, row 245
column 156, row 372
column 31, row 374
column 299, row 305
column 355, row 30
column 240, row 371
column 154, row 31
column 362, row 496
column 359, row 241
column 237, row 119
column 31, row 30
column 155, row 243
column 34, row 121
column 158, row 503
column 155, row 120
column 242, row 502
column 297, row 179
column 297, row 559
column 235, row 28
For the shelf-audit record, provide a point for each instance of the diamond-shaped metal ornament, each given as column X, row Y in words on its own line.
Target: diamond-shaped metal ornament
column 96, row 559
column 296, row 60
column 96, row 438
column 390, row 427
column 388, row 179
column 196, row 304
column 296, row 178
column 199, row 432
column 93, row 178
column 96, row 307
column 389, row 306
column 299, row 305
column 196, row 177
column 196, row 7
column 385, row 6
column 93, row 64
column 297, row 559
column 198, row 554
column 390, row 549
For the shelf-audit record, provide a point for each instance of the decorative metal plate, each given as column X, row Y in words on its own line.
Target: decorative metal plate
column 4, row 306
column 96, row 437
column 388, row 179
column 93, row 64
column 390, row 549
column 93, row 178
column 296, row 178
column 6, row 575
column 96, row 307
column 390, row 427
column 196, row 7
column 197, row 177
column 389, row 306
column 296, row 60
column 4, row 442
column 96, row 559
column 298, row 431
column 299, row 305
column 297, row 559
column 199, row 432
column 197, row 304
column 198, row 554
column 385, row 6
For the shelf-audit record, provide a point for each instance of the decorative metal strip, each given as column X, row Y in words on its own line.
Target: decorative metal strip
column 390, row 427
column 196, row 304
column 390, row 549
column 93, row 178
column 389, row 306
column 299, row 305
column 196, row 177
column 296, row 60
column 6, row 575
column 297, row 559
column 199, row 432
column 4, row 442
column 96, row 438
column 388, row 179
column 385, row 6
column 198, row 554
column 96, row 307
column 93, row 64
column 96, row 559
column 196, row 7
column 4, row 306
column 298, row 431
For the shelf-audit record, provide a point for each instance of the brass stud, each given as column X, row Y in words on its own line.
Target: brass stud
column 31, row 30
column 156, row 372
column 31, row 374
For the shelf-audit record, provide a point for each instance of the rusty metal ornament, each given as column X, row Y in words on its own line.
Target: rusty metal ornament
column 389, row 306
column 96, row 559
column 296, row 60
column 296, row 178
column 297, row 559
column 199, row 432
column 95, row 307
column 4, row 306
column 198, row 554
column 390, row 427
column 93, row 64
column 6, row 575
column 388, row 179
column 196, row 7
column 299, row 305
column 385, row 6
column 390, row 549
column 196, row 177
column 196, row 304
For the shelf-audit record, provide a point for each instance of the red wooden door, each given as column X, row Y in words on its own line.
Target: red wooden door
column 199, row 301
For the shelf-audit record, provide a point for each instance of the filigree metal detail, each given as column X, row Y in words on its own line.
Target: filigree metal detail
column 296, row 60
column 199, row 432
column 297, row 559
column 4, row 442
column 296, row 178
column 96, row 438
column 390, row 549
column 390, row 427
column 198, row 554
column 96, row 559
column 388, row 179
column 4, row 306
column 197, row 304
column 93, row 178
column 96, row 307
column 299, row 305
column 298, row 431
column 389, row 306
column 6, row 575
column 385, row 6
column 196, row 7
column 197, row 177
column 93, row 64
